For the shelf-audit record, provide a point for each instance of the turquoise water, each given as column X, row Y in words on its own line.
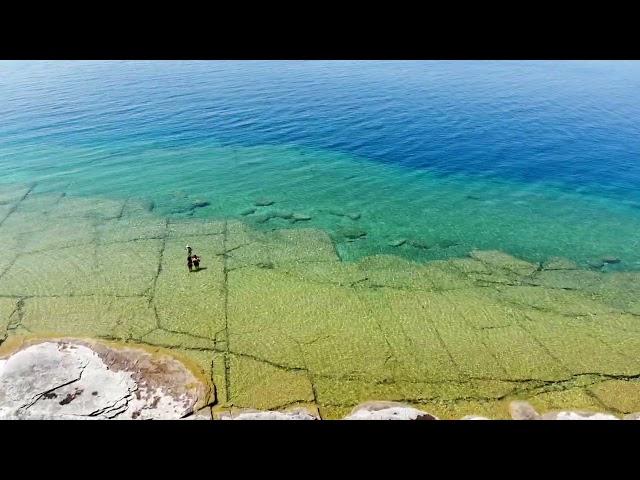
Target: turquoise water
column 538, row 159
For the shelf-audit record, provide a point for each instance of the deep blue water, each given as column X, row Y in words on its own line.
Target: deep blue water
column 548, row 129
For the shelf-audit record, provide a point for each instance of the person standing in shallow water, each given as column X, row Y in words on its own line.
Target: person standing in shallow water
column 189, row 260
column 196, row 262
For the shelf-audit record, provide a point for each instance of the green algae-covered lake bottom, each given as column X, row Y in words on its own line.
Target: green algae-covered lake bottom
column 276, row 318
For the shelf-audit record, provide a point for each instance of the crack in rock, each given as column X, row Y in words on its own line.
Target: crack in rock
column 38, row 396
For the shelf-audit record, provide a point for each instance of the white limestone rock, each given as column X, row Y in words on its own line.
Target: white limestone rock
column 204, row 414
column 81, row 380
column 568, row 415
column 522, row 411
column 387, row 411
column 250, row 414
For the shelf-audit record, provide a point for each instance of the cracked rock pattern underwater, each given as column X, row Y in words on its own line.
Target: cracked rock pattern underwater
column 277, row 319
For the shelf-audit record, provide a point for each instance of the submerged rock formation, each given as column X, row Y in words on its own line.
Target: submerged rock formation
column 351, row 215
column 397, row 243
column 611, row 259
column 278, row 317
column 247, row 211
column 188, row 209
column 559, row 263
column 447, row 243
column 352, row 233
column 420, row 244
column 263, row 202
column 300, row 217
column 200, row 204
column 265, row 217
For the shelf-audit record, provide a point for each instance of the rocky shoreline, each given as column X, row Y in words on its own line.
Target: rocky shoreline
column 382, row 410
column 67, row 379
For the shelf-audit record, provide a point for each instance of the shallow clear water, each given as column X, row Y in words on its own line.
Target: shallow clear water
column 534, row 158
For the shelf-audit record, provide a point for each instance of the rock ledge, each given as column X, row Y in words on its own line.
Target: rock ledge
column 77, row 379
